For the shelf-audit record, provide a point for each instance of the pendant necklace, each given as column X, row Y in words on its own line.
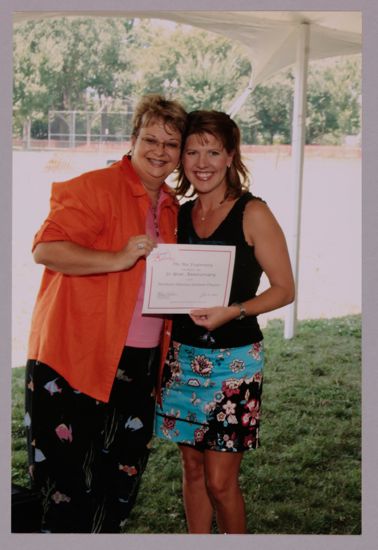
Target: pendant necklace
column 203, row 216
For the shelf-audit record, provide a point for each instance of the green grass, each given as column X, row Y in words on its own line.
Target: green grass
column 306, row 477
column 19, row 454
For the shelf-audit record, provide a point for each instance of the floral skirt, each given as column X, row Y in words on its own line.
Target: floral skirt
column 211, row 399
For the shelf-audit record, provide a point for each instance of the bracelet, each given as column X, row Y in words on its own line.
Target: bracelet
column 243, row 311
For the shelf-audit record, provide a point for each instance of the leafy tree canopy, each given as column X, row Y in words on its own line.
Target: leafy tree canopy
column 106, row 64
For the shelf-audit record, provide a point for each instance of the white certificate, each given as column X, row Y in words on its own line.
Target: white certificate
column 181, row 277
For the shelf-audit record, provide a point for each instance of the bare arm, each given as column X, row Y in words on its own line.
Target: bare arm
column 261, row 230
column 73, row 259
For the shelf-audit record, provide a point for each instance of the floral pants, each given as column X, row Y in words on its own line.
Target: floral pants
column 87, row 457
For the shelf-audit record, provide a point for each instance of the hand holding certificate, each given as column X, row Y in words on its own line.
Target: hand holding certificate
column 181, row 277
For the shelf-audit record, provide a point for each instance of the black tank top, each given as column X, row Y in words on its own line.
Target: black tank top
column 245, row 281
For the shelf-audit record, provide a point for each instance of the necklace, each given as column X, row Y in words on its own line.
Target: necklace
column 155, row 212
column 203, row 216
column 156, row 223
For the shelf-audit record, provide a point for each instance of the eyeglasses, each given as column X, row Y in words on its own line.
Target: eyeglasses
column 153, row 143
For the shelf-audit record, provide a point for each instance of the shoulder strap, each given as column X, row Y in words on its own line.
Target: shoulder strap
column 248, row 196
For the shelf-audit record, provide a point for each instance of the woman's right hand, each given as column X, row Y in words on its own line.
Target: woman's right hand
column 73, row 259
column 137, row 247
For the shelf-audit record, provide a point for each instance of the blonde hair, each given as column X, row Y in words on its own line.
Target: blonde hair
column 223, row 128
column 155, row 107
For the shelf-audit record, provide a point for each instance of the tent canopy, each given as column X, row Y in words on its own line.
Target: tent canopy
column 270, row 37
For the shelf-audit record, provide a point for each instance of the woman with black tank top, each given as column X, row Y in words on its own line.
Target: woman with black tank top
column 212, row 381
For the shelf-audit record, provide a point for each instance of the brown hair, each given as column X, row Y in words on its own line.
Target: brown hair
column 223, row 128
column 153, row 107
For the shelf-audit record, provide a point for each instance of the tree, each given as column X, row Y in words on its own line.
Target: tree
column 333, row 104
column 208, row 69
column 57, row 61
column 269, row 110
column 334, row 89
column 106, row 64
column 211, row 72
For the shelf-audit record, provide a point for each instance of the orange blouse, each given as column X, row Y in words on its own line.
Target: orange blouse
column 80, row 323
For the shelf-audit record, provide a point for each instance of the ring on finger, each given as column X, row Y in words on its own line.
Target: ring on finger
column 140, row 246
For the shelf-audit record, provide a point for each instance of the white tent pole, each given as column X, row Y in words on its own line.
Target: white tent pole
column 298, row 142
column 239, row 101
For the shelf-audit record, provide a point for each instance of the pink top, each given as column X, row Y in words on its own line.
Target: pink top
column 145, row 330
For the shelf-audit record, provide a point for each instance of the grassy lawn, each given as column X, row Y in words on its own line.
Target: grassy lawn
column 306, row 477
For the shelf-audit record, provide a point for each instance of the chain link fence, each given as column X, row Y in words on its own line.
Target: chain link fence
column 77, row 128
column 86, row 130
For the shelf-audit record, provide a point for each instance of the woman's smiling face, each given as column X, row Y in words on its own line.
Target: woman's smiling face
column 205, row 162
column 155, row 152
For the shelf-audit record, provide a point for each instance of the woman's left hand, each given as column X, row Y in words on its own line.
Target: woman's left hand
column 213, row 317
